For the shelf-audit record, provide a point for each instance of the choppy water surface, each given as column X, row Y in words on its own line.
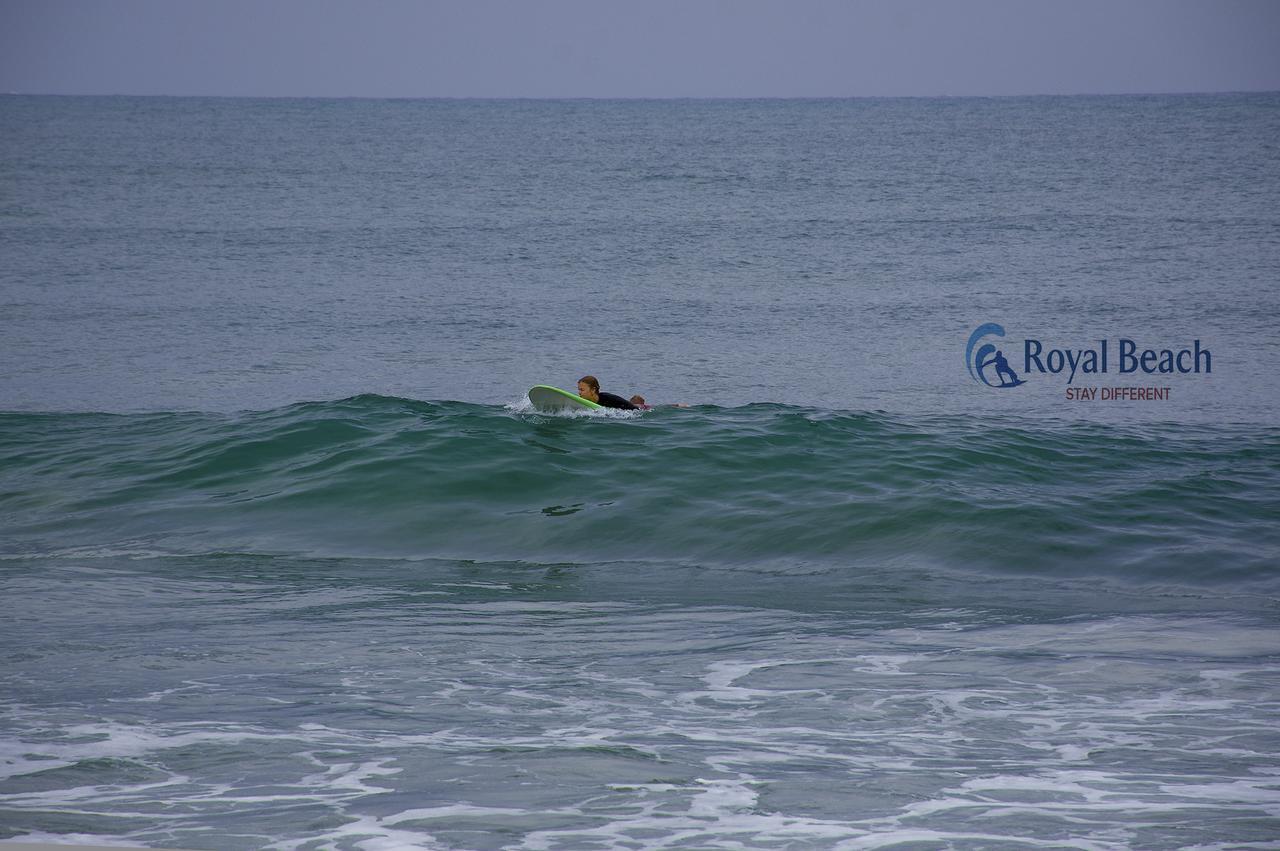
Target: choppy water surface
column 286, row 562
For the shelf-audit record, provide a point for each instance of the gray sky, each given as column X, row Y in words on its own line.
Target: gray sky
column 644, row 48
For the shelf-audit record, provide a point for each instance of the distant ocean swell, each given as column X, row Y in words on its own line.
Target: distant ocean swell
column 386, row 477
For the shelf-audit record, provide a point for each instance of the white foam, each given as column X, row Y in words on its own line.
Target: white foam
column 62, row 840
column 988, row 740
column 525, row 407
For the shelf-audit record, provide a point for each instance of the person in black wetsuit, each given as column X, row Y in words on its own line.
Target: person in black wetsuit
column 589, row 389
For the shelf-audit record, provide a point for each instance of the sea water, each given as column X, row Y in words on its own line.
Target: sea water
column 287, row 560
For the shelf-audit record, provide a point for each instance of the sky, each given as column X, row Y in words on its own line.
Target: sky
column 640, row 48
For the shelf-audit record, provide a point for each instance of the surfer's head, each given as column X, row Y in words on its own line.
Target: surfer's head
column 589, row 388
column 637, row 400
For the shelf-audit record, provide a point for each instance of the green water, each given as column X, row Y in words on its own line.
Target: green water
column 287, row 561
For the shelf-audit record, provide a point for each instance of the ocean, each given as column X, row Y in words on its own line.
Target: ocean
column 288, row 561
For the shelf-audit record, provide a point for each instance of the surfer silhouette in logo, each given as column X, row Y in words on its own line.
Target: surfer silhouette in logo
column 1002, row 369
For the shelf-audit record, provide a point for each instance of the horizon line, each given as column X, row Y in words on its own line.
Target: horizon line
column 939, row 96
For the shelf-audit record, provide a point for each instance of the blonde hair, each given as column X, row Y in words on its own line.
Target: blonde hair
column 590, row 381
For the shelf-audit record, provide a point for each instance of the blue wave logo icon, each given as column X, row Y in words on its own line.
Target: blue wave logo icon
column 987, row 355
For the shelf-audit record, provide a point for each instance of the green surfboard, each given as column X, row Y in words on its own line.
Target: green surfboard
column 547, row 398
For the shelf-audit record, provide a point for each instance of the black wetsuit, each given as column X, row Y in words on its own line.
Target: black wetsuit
column 610, row 400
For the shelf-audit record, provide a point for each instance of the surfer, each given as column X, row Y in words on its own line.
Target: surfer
column 1002, row 369
column 589, row 389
